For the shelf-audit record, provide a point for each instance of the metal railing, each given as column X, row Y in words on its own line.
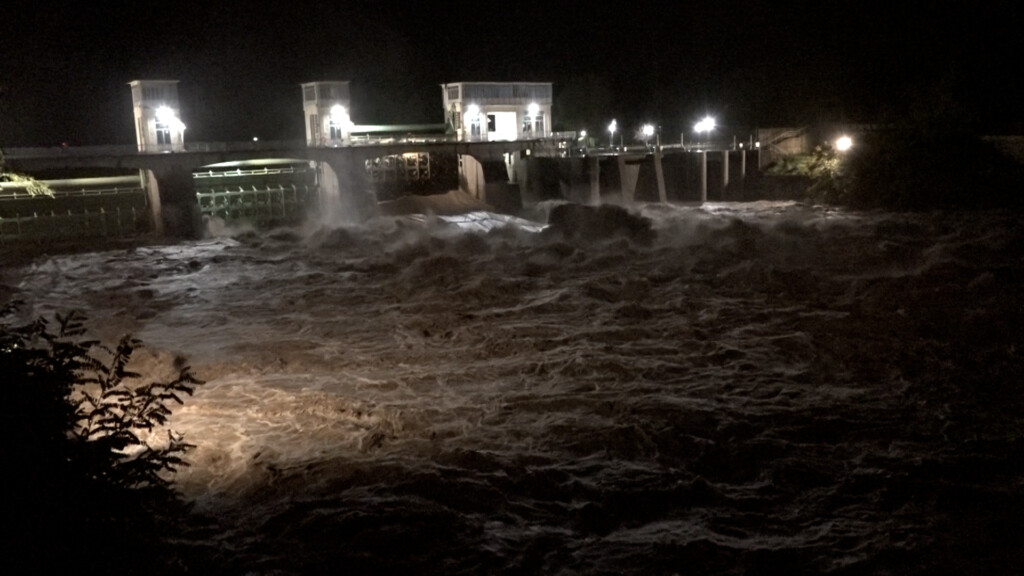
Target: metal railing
column 255, row 203
column 265, row 171
column 70, row 225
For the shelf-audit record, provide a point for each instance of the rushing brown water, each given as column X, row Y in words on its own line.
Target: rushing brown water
column 765, row 388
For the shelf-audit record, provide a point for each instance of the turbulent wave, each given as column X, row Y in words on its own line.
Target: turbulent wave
column 763, row 388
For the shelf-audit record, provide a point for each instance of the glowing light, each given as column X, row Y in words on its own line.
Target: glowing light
column 338, row 113
column 705, row 125
column 533, row 108
column 164, row 115
column 648, row 130
column 843, row 143
column 473, row 111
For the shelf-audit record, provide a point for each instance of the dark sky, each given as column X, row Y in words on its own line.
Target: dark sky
column 65, row 65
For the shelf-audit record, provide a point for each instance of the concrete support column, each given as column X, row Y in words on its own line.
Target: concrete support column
column 743, row 165
column 471, row 176
column 523, row 177
column 595, row 179
column 152, row 188
column 725, row 172
column 349, row 197
column 628, row 175
column 330, row 193
column 703, row 177
column 172, row 198
column 660, row 175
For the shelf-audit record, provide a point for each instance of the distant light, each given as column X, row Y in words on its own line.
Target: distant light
column 757, row 144
column 533, row 108
column 613, row 126
column 705, row 125
column 583, row 133
column 473, row 111
column 844, row 143
column 255, row 139
column 648, row 130
column 338, row 113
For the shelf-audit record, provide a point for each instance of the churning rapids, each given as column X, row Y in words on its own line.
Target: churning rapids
column 764, row 388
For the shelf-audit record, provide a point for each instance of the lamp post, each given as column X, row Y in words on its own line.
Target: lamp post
column 611, row 133
column 648, row 131
column 705, row 125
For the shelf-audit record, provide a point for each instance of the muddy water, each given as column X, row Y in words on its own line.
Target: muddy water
column 761, row 388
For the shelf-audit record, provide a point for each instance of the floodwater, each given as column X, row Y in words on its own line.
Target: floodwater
column 763, row 388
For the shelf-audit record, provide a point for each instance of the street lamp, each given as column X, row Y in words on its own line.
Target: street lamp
column 611, row 133
column 648, row 131
column 705, row 125
column 843, row 143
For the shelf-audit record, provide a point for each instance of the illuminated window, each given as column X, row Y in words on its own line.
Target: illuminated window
column 163, row 134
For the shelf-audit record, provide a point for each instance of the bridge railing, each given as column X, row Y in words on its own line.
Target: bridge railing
column 52, row 151
column 370, row 140
column 244, row 145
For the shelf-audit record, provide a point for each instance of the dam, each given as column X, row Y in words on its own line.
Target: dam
column 496, row 145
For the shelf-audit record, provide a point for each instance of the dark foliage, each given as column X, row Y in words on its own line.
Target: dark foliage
column 927, row 165
column 83, row 488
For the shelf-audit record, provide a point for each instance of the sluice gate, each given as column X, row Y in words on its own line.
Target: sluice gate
column 73, row 209
column 262, row 192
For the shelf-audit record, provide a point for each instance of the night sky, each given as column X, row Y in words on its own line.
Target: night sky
column 65, row 65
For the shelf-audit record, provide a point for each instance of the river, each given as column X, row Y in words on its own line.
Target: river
column 756, row 388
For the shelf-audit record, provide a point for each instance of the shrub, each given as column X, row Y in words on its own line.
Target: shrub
column 81, row 479
column 823, row 167
column 926, row 164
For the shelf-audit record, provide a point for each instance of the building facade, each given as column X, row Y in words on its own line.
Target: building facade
column 158, row 125
column 326, row 108
column 488, row 111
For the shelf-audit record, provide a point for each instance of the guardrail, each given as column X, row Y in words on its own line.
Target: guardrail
column 50, row 226
column 259, row 204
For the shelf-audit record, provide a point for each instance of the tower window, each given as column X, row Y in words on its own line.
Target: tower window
column 163, row 134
